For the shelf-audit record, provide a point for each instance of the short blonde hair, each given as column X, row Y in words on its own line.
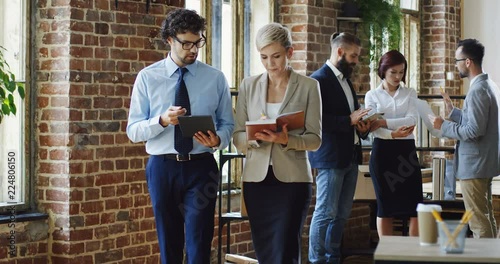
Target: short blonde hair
column 272, row 33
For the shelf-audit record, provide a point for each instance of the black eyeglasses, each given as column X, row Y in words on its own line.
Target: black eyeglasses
column 457, row 60
column 187, row 45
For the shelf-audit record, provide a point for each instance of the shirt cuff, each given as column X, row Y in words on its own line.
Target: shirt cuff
column 154, row 124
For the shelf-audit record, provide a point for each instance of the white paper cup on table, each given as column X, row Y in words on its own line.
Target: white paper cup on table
column 427, row 227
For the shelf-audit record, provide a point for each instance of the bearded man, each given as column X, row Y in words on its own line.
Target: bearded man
column 338, row 157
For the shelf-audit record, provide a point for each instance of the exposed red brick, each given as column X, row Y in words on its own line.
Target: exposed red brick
column 92, row 194
column 93, row 65
column 144, row 250
column 109, row 178
column 55, row 38
column 111, row 204
column 53, row 168
column 108, row 256
column 102, row 4
column 76, row 195
column 82, row 181
column 92, row 207
column 106, row 127
column 56, row 195
column 110, row 152
column 76, row 39
column 92, row 15
column 91, row 246
column 101, row 53
column 60, row 247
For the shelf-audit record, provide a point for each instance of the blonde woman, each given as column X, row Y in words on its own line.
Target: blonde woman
column 277, row 176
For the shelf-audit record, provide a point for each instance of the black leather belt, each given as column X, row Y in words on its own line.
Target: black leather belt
column 188, row 157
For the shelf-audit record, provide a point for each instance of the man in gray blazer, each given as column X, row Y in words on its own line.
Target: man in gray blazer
column 475, row 127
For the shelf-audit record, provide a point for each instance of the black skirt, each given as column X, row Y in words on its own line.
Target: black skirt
column 277, row 212
column 396, row 176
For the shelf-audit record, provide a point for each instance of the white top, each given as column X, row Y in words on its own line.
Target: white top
column 398, row 110
column 347, row 91
column 272, row 110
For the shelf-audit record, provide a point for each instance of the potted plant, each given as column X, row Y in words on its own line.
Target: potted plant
column 8, row 87
column 381, row 20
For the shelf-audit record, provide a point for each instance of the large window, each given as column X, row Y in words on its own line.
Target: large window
column 409, row 45
column 411, row 41
column 231, row 29
column 13, row 25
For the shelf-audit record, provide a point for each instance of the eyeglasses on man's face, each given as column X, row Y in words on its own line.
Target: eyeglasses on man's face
column 457, row 60
column 187, row 45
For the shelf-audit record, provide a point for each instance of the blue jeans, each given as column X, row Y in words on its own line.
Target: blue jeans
column 334, row 194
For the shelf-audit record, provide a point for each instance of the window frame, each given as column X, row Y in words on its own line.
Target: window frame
column 27, row 145
column 241, row 25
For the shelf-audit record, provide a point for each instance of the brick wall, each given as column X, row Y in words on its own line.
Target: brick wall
column 440, row 33
column 31, row 242
column 89, row 177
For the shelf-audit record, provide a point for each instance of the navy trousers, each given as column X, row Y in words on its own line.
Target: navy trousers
column 183, row 194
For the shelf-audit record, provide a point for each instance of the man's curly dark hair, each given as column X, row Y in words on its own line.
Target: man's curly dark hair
column 180, row 21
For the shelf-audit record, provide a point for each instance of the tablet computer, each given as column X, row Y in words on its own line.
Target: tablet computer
column 191, row 124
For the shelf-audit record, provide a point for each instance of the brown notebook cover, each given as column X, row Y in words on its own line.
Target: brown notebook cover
column 295, row 120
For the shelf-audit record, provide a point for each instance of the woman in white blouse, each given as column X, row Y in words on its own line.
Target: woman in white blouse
column 394, row 165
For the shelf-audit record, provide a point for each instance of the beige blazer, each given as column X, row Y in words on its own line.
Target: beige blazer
column 290, row 163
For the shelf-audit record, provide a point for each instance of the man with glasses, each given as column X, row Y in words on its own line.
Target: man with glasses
column 475, row 127
column 181, row 173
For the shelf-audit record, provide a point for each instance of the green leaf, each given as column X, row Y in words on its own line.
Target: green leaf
column 20, row 90
column 13, row 109
column 5, row 77
column 8, row 86
column 11, row 86
column 11, row 99
column 5, row 108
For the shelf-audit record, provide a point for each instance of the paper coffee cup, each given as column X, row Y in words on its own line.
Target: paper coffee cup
column 427, row 227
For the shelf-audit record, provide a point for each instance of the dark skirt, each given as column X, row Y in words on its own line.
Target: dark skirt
column 396, row 176
column 276, row 211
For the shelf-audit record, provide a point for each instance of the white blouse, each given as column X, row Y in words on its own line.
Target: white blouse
column 398, row 110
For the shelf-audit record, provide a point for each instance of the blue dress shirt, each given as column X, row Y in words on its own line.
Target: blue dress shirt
column 154, row 93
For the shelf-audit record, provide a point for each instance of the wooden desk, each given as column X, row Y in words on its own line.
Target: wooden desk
column 396, row 249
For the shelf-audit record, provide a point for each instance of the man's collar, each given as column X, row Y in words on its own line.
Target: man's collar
column 336, row 71
column 475, row 78
column 171, row 66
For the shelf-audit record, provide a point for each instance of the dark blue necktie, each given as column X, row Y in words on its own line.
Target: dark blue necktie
column 182, row 144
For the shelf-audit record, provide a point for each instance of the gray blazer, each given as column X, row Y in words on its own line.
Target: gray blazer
column 290, row 163
column 476, row 129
